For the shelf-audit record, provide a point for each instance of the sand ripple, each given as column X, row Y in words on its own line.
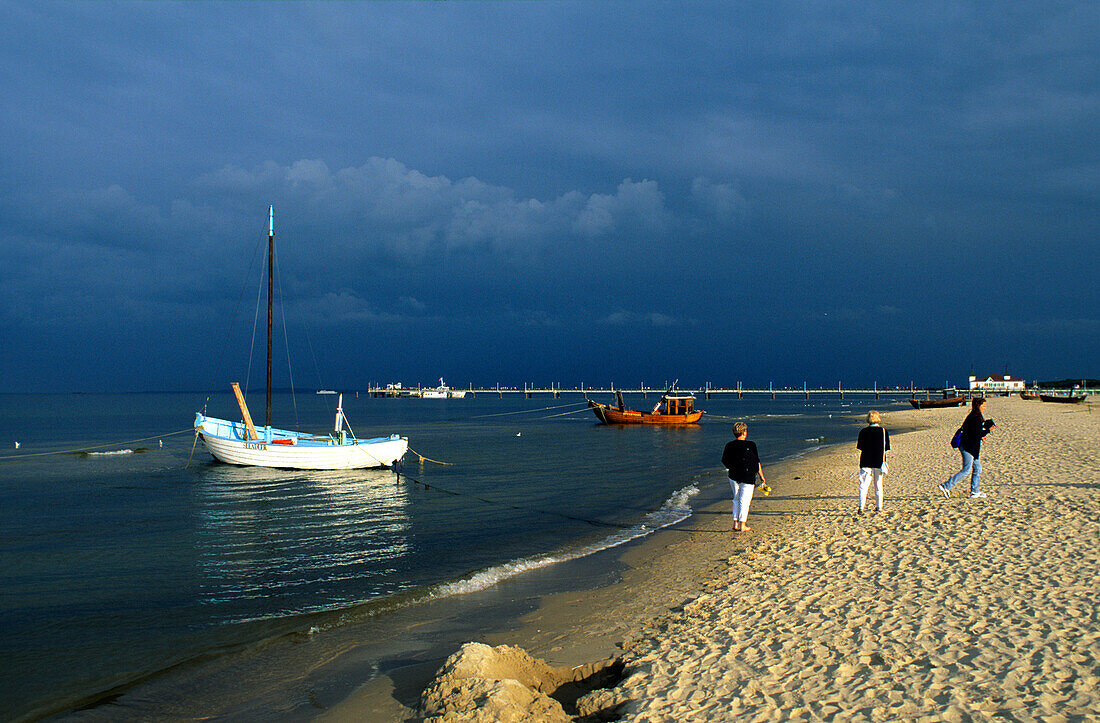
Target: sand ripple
column 935, row 609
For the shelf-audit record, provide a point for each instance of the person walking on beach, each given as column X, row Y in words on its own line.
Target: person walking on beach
column 873, row 443
column 743, row 462
column 974, row 428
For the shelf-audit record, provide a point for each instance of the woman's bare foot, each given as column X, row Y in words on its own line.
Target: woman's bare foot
column 745, row 528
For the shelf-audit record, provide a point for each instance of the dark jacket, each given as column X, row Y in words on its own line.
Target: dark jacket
column 742, row 461
column 872, row 444
column 974, row 430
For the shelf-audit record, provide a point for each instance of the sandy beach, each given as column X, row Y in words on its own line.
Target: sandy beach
column 933, row 609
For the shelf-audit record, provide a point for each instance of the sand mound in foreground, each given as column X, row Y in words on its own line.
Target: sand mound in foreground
column 479, row 683
column 932, row 609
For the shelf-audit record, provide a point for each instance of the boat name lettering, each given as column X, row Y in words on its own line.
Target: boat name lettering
column 254, row 445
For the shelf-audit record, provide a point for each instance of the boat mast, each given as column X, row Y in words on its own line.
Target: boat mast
column 270, row 288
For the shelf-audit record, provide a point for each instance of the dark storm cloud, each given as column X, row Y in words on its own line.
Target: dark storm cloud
column 717, row 191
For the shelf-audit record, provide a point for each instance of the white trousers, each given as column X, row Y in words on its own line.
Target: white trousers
column 742, row 496
column 866, row 474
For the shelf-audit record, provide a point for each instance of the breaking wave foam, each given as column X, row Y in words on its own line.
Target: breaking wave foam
column 674, row 510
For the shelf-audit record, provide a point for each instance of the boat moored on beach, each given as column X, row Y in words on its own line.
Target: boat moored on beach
column 1064, row 398
column 242, row 443
column 937, row 403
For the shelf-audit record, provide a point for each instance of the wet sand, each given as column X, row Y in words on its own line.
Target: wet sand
column 938, row 609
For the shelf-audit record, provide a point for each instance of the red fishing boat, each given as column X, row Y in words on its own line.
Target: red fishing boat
column 671, row 409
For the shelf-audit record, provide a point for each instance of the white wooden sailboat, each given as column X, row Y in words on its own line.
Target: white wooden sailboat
column 244, row 444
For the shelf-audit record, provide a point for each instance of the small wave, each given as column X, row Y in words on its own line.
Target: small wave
column 674, row 510
column 112, row 453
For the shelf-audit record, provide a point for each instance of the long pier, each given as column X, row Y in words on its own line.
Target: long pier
column 706, row 392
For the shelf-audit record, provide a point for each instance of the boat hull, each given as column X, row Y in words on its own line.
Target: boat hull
column 612, row 415
column 283, row 449
column 443, row 393
column 1062, row 399
column 937, row 403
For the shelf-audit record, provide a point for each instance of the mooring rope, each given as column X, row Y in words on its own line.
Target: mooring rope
column 525, row 411
column 550, row 513
column 194, row 442
column 18, row 457
column 509, row 505
column 562, row 414
column 424, row 459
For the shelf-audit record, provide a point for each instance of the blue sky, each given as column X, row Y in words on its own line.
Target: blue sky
column 550, row 192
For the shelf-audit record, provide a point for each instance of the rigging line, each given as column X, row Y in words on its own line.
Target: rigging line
column 255, row 322
column 17, row 457
column 344, row 420
column 525, row 411
column 363, row 449
column 313, row 354
column 233, row 318
column 286, row 342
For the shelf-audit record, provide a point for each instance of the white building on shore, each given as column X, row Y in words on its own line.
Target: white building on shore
column 996, row 384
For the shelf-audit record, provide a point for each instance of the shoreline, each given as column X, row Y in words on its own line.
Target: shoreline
column 671, row 609
column 583, row 625
column 309, row 662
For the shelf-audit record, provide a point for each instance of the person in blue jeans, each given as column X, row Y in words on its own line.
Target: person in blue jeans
column 974, row 428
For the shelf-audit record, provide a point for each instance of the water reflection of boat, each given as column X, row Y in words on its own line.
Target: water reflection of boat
column 273, row 543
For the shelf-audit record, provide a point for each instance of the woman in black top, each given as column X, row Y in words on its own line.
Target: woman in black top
column 873, row 442
column 974, row 428
column 743, row 462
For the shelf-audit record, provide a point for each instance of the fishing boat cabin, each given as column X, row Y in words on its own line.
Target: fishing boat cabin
column 680, row 405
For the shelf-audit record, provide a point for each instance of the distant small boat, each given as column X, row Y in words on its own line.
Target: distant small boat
column 677, row 409
column 442, row 392
column 1029, row 395
column 937, row 403
column 325, row 391
column 1064, row 398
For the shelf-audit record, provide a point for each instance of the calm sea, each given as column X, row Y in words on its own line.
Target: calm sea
column 139, row 556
